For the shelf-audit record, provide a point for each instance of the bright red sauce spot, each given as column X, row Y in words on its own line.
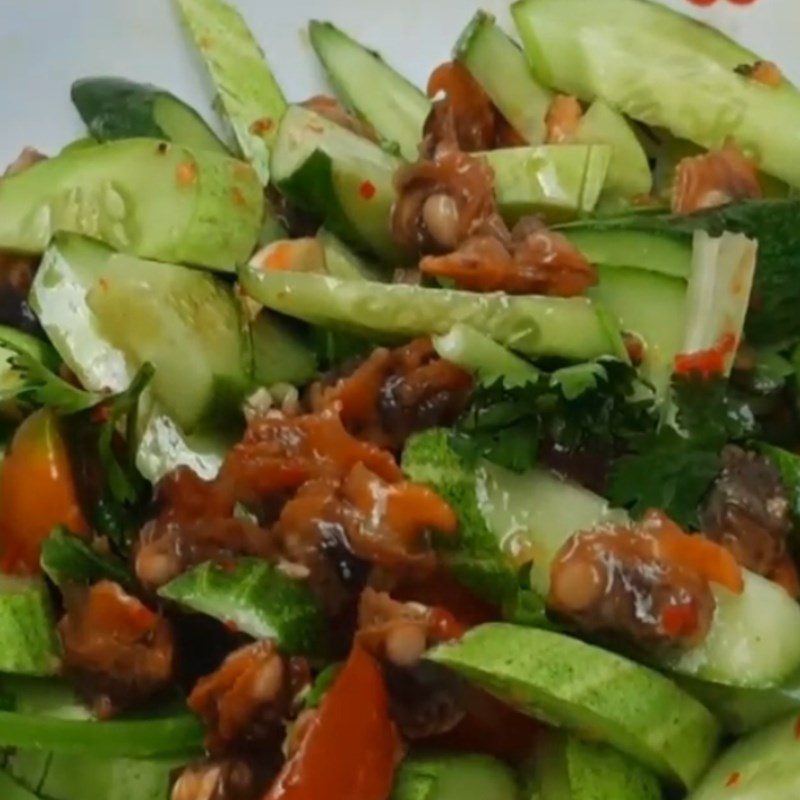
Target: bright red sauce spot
column 367, row 190
column 733, row 779
column 707, row 363
column 797, row 729
column 711, row 2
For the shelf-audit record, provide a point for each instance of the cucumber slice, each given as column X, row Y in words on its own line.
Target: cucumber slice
column 628, row 171
column 57, row 776
column 654, row 308
column 249, row 94
column 502, row 70
column 116, row 108
column 570, row 769
column 556, row 181
column 367, row 85
column 479, row 354
column 255, row 598
column 667, row 253
column 182, row 321
column 48, row 717
column 663, row 69
column 342, row 262
column 744, row 710
column 141, row 196
column 28, row 641
column 763, row 766
column 344, row 179
column 592, row 692
column 280, row 354
column 58, row 296
column 532, row 325
column 291, row 255
column 456, row 777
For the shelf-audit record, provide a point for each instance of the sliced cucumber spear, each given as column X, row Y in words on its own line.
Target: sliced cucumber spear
column 250, row 95
column 60, row 776
column 666, row 70
column 592, row 692
column 141, row 196
column 12, row 790
column 69, row 269
column 764, row 766
column 567, row 768
column 255, row 598
column 502, row 69
column 116, row 108
column 367, row 85
column 532, row 325
column 28, row 641
column 454, row 777
column 49, row 718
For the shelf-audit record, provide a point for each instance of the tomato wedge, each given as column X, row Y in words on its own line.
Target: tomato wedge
column 351, row 748
column 37, row 492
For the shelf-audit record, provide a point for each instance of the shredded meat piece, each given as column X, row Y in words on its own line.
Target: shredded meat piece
column 332, row 526
column 402, row 632
column 396, row 393
column 563, row 118
column 196, row 524
column 534, row 261
column 615, row 580
column 244, row 703
column 220, row 779
column 426, row 700
column 748, row 511
column 116, row 649
column 444, row 200
column 333, row 110
column 714, row 179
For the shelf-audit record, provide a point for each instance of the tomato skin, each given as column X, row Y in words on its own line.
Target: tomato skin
column 37, row 492
column 352, row 747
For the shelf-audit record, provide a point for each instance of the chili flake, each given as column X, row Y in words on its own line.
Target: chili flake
column 367, row 190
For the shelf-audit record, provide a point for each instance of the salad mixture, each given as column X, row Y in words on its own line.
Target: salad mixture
column 409, row 445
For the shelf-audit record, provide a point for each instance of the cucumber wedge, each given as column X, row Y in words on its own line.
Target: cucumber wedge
column 249, row 94
column 140, row 196
column 502, row 70
column 763, row 766
column 454, row 777
column 255, row 598
column 651, row 306
column 279, row 353
column 116, row 108
column 556, row 181
column 59, row 776
column 183, row 321
column 596, row 694
column 744, row 710
column 570, row 769
column 667, row 253
column 532, row 325
column 344, row 179
column 68, row 271
column 28, row 641
column 367, row 85
column 48, row 717
column 628, row 171
column 342, row 262
column 664, row 69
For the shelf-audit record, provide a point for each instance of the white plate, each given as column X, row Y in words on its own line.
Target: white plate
column 46, row 44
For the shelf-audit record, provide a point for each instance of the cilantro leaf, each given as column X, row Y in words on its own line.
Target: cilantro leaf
column 673, row 468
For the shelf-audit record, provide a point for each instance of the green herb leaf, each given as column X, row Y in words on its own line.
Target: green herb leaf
column 67, row 558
